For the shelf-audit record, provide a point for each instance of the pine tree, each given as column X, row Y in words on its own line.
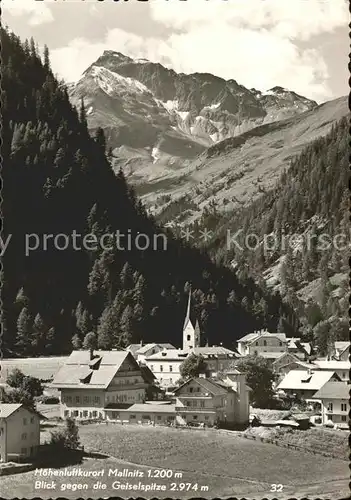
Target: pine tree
column 24, row 331
column 126, row 325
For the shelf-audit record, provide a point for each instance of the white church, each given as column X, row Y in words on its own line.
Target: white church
column 165, row 364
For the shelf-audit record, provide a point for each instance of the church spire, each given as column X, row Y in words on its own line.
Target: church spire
column 187, row 317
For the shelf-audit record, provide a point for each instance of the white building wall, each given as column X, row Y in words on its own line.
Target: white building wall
column 20, row 434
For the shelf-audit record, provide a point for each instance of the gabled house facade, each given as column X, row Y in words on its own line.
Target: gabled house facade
column 305, row 383
column 342, row 350
column 140, row 351
column 211, row 401
column 263, row 343
column 165, row 365
column 19, row 432
column 289, row 361
column 341, row 368
column 334, row 400
column 92, row 382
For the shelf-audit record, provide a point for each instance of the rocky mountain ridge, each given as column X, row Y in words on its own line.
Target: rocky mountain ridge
column 156, row 119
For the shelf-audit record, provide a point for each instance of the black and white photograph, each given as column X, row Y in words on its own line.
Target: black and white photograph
column 175, row 249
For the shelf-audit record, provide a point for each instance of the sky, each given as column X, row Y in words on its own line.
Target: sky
column 302, row 45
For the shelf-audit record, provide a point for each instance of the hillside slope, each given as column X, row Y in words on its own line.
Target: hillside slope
column 59, row 182
column 233, row 173
column 156, row 120
column 300, row 237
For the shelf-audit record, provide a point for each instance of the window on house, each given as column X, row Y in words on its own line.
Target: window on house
column 188, row 337
column 202, row 404
column 161, row 368
column 343, row 375
column 194, row 403
column 206, row 417
column 343, row 407
column 265, row 342
column 158, row 417
column 195, row 417
column 76, row 413
column 97, row 399
column 66, row 412
column 280, row 344
column 24, row 436
column 69, row 399
column 32, row 420
column 132, row 416
column 187, row 403
column 146, row 417
column 77, row 399
column 191, row 389
column 255, row 352
column 93, row 413
column 85, row 413
column 170, row 368
column 86, row 399
column 24, row 421
column 256, row 343
column 152, row 368
column 343, row 418
column 330, row 407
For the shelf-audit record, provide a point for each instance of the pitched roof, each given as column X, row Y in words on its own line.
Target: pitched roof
column 333, row 364
column 269, row 355
column 146, row 347
column 333, row 390
column 213, row 351
column 133, row 348
column 6, row 409
column 305, row 379
column 251, row 337
column 78, row 369
column 341, row 345
column 169, row 354
column 152, row 408
column 208, row 384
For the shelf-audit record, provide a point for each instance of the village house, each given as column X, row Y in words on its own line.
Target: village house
column 140, row 351
column 92, row 382
column 341, row 350
column 334, row 400
column 19, row 432
column 199, row 401
column 263, row 343
column 300, row 349
column 211, row 401
column 341, row 368
column 305, row 383
column 288, row 361
column 165, row 365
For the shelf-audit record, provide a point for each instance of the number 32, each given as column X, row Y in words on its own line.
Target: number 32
column 276, row 487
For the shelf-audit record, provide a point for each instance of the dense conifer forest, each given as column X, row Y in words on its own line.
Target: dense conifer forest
column 57, row 179
column 310, row 203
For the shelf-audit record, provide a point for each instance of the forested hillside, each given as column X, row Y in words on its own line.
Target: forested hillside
column 58, row 180
column 307, row 214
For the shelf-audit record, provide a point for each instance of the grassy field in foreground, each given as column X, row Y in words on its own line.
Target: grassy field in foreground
column 228, row 465
column 316, row 439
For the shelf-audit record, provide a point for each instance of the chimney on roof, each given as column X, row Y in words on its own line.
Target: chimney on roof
column 91, row 351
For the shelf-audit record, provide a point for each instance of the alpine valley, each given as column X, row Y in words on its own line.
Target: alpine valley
column 196, row 137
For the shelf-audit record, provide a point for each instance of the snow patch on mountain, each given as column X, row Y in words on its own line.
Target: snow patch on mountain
column 110, row 82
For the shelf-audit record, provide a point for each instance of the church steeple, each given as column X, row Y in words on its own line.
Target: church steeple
column 191, row 335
